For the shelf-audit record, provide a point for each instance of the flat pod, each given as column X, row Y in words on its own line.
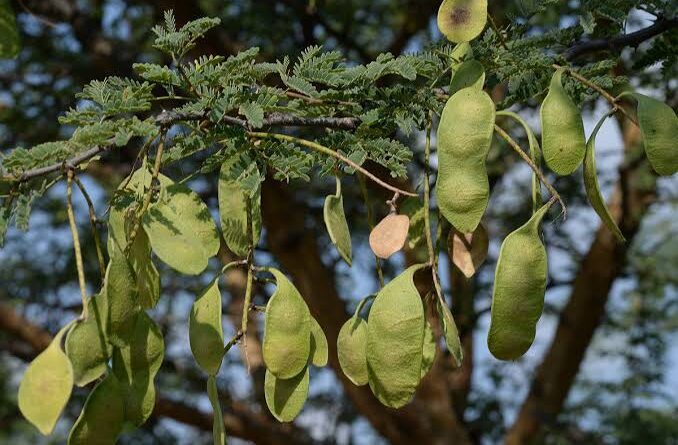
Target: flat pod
column 147, row 276
column 389, row 236
column 451, row 333
column 46, row 386
column 102, row 417
column 468, row 250
column 659, row 129
column 233, row 200
column 591, row 184
column 428, row 350
column 337, row 226
column 87, row 345
column 319, row 348
column 352, row 350
column 123, row 299
column 218, row 432
column 286, row 397
column 395, row 336
column 562, row 130
column 287, row 330
column 469, row 74
column 462, row 20
column 464, row 139
column 181, row 230
column 519, row 287
column 205, row 332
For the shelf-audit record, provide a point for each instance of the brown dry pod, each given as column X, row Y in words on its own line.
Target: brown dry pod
column 389, row 235
column 468, row 250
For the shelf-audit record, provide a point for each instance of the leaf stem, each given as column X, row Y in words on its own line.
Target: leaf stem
column 427, row 207
column 94, row 221
column 76, row 245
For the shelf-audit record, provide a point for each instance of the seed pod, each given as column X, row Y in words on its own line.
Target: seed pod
column 319, row 348
column 395, row 336
column 461, row 52
column 123, row 299
column 147, row 276
column 462, row 20
column 102, row 417
column 352, row 350
column 389, row 235
column 205, row 331
column 562, row 129
column 286, row 397
column 468, row 250
column 519, row 286
column 464, row 138
column 46, row 386
column 181, row 230
column 135, row 365
column 428, row 350
column 287, row 330
column 87, row 345
column 452, row 340
column 591, row 184
column 469, row 74
column 659, row 129
column 218, row 423
column 337, row 226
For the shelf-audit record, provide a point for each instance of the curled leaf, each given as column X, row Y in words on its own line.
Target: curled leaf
column 218, row 432
column 452, row 340
column 659, row 130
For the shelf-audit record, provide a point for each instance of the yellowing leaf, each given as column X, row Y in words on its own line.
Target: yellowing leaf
column 389, row 235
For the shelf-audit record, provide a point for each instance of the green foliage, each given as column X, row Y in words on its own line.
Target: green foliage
column 9, row 34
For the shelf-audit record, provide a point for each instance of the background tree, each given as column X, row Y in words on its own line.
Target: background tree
column 597, row 373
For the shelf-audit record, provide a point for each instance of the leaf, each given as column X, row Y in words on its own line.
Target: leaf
column 46, row 386
column 389, row 236
column 10, row 43
column 87, row 345
column 253, row 113
column 287, row 330
column 286, row 397
column 319, row 348
column 337, row 226
column 428, row 350
column 468, row 250
column 102, row 417
column 395, row 336
column 593, row 193
column 352, row 350
column 218, row 424
column 205, row 331
column 452, row 340
column 181, row 230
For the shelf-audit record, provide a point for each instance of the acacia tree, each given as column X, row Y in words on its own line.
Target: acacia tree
column 209, row 114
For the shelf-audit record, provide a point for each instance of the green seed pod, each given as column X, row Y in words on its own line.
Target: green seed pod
column 519, row 286
column 287, row 330
column 87, row 345
column 591, row 184
column 462, row 20
column 395, row 337
column 286, row 397
column 136, row 365
column 233, row 200
column 352, row 350
column 218, row 423
column 428, row 350
column 123, row 299
column 464, row 138
column 204, row 329
column 46, row 386
column 102, row 417
column 147, row 276
column 452, row 340
column 562, row 130
column 337, row 227
column 319, row 348
column 181, row 230
column 469, row 74
column 659, row 130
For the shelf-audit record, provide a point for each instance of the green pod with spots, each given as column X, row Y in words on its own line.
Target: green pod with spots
column 218, row 431
column 205, row 331
column 395, row 337
column 46, row 386
column 352, row 350
column 287, row 330
column 337, row 226
column 469, row 74
column 519, row 287
column 102, row 417
column 319, row 348
column 462, row 20
column 659, row 130
column 464, row 139
column 121, row 290
column 591, row 184
column 452, row 340
column 286, row 397
column 563, row 142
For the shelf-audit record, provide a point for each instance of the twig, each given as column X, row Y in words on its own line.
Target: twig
column 427, row 208
column 322, row 149
column 76, row 245
column 370, row 222
column 495, row 28
column 94, row 221
column 37, row 17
